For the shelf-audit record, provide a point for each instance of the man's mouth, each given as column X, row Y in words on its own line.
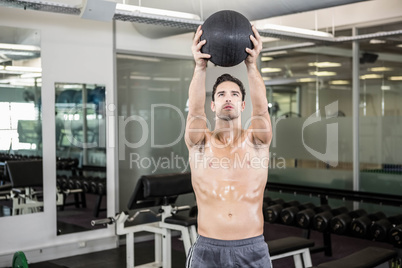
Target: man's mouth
column 228, row 107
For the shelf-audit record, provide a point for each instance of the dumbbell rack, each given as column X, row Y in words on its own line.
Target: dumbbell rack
column 326, row 193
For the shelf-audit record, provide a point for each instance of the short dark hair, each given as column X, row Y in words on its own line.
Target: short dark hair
column 228, row 77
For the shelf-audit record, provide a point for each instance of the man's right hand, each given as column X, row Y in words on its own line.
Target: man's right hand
column 200, row 58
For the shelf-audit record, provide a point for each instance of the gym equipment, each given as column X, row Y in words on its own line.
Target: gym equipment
column 304, row 218
column 157, row 191
column 395, row 236
column 380, row 229
column 288, row 215
column 228, row 34
column 321, row 221
column 361, row 226
column 271, row 202
column 292, row 246
column 341, row 223
column 25, row 175
column 273, row 212
column 366, row 258
column 19, row 260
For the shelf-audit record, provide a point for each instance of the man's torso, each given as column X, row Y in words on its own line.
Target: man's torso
column 229, row 182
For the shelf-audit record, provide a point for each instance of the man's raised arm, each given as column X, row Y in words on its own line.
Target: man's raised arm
column 196, row 119
column 260, row 122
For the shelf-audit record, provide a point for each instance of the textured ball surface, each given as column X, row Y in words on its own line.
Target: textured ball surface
column 228, row 34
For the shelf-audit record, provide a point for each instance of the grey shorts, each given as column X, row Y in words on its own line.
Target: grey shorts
column 213, row 253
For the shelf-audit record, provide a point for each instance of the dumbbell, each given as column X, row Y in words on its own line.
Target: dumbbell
column 63, row 182
column 94, row 185
column 341, row 223
column 101, row 187
column 380, row 229
column 321, row 221
column 269, row 202
column 304, row 218
column 86, row 184
column 79, row 182
column 395, row 236
column 288, row 215
column 361, row 226
column 273, row 212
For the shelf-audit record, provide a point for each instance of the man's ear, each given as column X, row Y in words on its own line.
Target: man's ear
column 243, row 105
column 213, row 106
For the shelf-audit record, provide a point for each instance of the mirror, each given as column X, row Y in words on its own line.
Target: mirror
column 81, row 156
column 20, row 122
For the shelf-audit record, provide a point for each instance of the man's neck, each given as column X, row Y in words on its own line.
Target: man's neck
column 228, row 131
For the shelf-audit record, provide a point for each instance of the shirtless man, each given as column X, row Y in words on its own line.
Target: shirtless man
column 229, row 166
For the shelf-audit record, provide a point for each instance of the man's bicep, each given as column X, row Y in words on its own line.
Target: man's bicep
column 196, row 129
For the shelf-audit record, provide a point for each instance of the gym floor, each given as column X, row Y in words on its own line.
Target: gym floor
column 341, row 247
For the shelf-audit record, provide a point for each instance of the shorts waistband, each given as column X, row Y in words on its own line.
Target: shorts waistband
column 231, row 243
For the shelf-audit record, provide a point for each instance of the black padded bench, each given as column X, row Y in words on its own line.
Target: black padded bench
column 298, row 247
column 24, row 176
column 162, row 191
column 366, row 258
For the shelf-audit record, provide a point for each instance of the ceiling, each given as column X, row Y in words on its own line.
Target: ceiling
column 293, row 64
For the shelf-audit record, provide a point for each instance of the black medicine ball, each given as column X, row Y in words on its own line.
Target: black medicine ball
column 228, row 34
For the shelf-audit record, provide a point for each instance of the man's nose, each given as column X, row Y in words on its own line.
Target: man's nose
column 228, row 100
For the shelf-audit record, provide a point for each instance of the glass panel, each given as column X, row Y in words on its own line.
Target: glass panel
column 20, row 121
column 152, row 97
column 81, row 156
column 309, row 94
column 381, row 114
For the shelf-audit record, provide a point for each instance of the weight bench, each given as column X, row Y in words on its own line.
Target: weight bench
column 24, row 175
column 366, row 258
column 162, row 191
column 298, row 247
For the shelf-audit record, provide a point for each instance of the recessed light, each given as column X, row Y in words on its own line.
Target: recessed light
column 323, row 73
column 306, row 80
column 324, row 64
column 395, row 78
column 371, row 76
column 379, row 69
column 339, row 82
column 377, row 41
column 266, row 58
column 270, row 70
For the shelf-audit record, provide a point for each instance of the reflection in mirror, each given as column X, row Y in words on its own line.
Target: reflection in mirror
column 81, row 156
column 21, row 180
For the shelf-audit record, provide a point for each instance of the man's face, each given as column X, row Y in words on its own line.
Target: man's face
column 228, row 103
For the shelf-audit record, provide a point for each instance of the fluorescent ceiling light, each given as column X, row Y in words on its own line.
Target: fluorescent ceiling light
column 325, row 64
column 323, row 73
column 339, row 82
column 140, row 58
column 155, row 11
column 296, row 30
column 167, row 79
column 23, row 69
column 266, row 58
column 139, row 77
column 395, row 78
column 306, row 80
column 19, row 47
column 31, row 75
column 379, row 69
column 270, row 70
column 371, row 76
column 383, row 87
column 266, row 78
column 377, row 41
column 400, row 45
column 273, row 53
